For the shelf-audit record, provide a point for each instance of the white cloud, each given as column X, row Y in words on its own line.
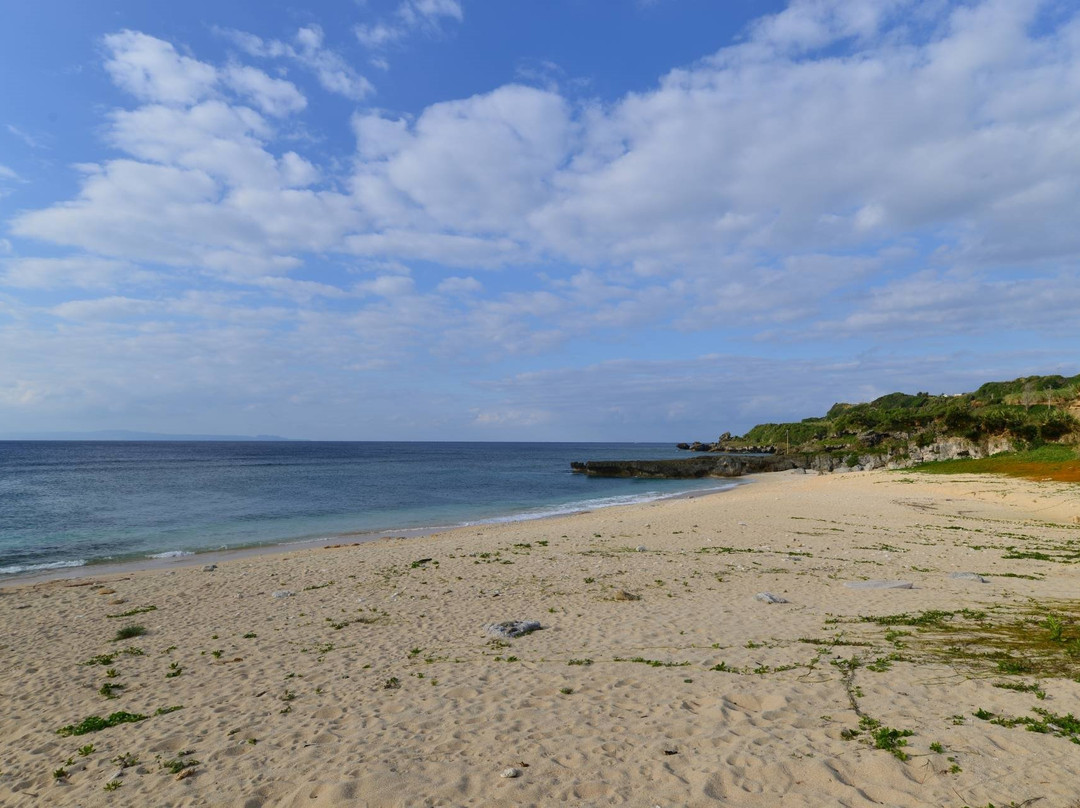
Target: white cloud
column 480, row 164
column 84, row 272
column 410, row 17
column 810, row 24
column 151, row 69
column 25, row 137
column 460, row 286
column 273, row 96
column 7, row 173
column 846, row 175
column 333, row 72
column 106, row 308
column 223, row 141
column 389, row 286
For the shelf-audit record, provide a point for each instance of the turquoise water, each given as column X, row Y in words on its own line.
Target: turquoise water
column 73, row 503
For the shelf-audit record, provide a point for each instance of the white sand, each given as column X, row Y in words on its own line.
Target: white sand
column 301, row 714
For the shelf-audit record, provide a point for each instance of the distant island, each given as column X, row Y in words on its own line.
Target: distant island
column 1037, row 418
column 123, row 434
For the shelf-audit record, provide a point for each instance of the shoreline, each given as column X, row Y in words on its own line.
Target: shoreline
column 365, row 674
column 184, row 559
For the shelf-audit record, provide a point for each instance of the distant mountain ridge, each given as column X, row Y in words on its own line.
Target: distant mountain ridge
column 128, row 435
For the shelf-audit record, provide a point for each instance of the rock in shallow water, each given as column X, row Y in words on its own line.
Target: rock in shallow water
column 879, row 585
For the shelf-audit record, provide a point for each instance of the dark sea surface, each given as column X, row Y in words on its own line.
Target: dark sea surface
column 66, row 504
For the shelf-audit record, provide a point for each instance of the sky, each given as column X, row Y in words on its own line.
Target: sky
column 571, row 220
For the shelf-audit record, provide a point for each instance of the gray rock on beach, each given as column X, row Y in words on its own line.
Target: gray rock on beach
column 284, row 593
column 512, row 628
column 769, row 597
column 879, row 585
column 968, row 576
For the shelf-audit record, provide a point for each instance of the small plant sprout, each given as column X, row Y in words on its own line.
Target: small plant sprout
column 1055, row 626
column 86, row 750
column 108, row 690
column 126, row 760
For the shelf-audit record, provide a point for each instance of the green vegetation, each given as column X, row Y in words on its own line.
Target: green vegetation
column 179, row 764
column 1040, row 640
column 94, row 723
column 129, row 631
column 1055, row 461
column 1029, row 412
column 653, row 663
column 131, row 612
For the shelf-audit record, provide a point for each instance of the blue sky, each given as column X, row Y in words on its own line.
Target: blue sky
column 568, row 220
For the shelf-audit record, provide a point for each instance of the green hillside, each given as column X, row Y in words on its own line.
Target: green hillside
column 1028, row 412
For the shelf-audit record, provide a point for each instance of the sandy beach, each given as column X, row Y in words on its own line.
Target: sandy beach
column 363, row 675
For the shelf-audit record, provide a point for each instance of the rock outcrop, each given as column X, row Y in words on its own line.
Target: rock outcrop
column 722, row 446
column 736, row 464
column 729, row 465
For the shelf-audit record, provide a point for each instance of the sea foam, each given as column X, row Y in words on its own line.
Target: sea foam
column 52, row 565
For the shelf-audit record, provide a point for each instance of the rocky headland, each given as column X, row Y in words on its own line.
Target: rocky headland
column 895, row 431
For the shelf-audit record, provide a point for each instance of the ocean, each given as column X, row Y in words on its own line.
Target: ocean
column 74, row 503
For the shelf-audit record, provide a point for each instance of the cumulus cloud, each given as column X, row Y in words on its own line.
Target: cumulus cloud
column 151, row 69
column 479, row 164
column 308, row 49
column 275, row 97
column 846, row 173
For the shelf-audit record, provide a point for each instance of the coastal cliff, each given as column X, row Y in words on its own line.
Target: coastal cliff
column 894, row 431
column 737, row 464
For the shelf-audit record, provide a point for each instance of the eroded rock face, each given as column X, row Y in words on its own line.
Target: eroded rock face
column 956, row 448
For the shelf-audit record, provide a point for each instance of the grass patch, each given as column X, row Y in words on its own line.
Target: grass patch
column 178, row 764
column 132, row 612
column 1048, row 722
column 95, row 723
column 1041, row 640
column 1050, row 462
column 653, row 663
column 129, row 631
